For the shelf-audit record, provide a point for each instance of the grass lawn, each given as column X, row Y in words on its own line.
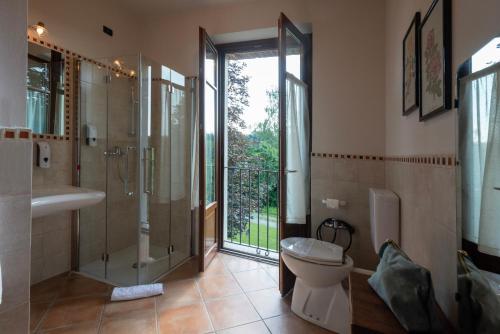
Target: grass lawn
column 262, row 237
column 273, row 211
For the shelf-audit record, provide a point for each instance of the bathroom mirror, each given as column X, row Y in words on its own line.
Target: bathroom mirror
column 45, row 98
column 478, row 187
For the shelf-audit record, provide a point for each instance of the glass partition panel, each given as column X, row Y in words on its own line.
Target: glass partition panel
column 92, row 107
column 210, row 110
column 156, row 135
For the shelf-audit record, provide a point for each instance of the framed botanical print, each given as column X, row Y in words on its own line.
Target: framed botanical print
column 411, row 73
column 435, row 58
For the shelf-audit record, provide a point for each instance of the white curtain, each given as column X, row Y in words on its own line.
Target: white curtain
column 163, row 144
column 479, row 131
column 36, row 110
column 297, row 151
column 179, row 145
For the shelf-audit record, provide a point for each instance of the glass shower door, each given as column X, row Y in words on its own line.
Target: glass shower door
column 121, row 155
column 165, row 207
column 154, row 231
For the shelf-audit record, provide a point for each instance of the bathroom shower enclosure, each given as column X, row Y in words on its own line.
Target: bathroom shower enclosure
column 134, row 142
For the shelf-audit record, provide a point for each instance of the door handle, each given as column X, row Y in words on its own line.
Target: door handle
column 149, row 169
column 289, row 171
column 496, row 188
column 127, row 171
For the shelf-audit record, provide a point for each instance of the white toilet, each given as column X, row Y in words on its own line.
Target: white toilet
column 320, row 267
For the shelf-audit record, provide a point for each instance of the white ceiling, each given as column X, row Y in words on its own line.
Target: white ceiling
column 156, row 6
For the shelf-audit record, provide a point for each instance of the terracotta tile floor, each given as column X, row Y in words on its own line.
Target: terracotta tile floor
column 233, row 296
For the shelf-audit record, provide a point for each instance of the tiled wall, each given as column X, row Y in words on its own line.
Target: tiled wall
column 15, row 214
column 347, row 179
column 426, row 188
column 15, row 171
column 428, row 222
column 51, row 235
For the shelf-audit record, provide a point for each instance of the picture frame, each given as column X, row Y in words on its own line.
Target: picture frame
column 435, row 60
column 411, row 67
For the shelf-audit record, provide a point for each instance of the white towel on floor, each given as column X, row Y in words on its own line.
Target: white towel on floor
column 137, row 291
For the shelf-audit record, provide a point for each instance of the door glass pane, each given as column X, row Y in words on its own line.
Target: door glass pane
column 210, row 66
column 210, row 148
column 294, row 54
column 297, row 132
column 297, row 151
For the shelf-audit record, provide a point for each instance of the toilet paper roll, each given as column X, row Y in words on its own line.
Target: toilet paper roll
column 331, row 203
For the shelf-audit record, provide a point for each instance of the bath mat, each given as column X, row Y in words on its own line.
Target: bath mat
column 137, row 292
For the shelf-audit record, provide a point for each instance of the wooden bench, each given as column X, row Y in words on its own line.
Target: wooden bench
column 369, row 312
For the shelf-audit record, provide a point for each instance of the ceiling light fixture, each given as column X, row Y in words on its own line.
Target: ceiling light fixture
column 117, row 63
column 40, row 29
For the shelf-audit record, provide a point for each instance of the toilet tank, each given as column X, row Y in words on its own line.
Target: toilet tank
column 384, row 217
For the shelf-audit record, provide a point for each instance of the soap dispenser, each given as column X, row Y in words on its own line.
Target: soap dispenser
column 43, row 154
column 91, row 139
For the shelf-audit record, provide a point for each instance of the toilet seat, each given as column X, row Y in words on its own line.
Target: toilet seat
column 312, row 250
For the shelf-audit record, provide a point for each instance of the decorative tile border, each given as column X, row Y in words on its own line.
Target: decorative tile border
column 74, row 55
column 15, row 134
column 347, row 156
column 433, row 160
column 70, row 76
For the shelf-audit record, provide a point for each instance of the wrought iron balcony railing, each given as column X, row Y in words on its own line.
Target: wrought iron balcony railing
column 251, row 215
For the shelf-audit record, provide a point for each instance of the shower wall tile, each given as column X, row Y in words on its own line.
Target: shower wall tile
column 428, row 222
column 347, row 180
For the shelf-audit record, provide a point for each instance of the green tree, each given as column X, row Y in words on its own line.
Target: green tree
column 239, row 202
column 264, row 148
column 237, row 101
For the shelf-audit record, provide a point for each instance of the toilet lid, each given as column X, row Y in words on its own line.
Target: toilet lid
column 313, row 250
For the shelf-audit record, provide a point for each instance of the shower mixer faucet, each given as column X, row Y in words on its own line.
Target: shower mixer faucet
column 115, row 152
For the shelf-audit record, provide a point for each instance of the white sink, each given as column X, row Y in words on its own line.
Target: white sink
column 49, row 200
